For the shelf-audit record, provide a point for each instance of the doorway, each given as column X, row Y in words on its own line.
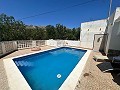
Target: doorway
column 99, row 42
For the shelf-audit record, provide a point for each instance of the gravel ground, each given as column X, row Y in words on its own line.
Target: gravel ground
column 94, row 79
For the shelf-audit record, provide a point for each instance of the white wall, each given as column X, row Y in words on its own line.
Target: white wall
column 51, row 42
column 88, row 29
column 113, row 29
column 60, row 43
column 24, row 44
column 73, row 43
column 115, row 38
column 7, row 47
column 109, row 31
column 110, row 27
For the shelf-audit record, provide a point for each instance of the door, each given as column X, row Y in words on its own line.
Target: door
column 99, row 42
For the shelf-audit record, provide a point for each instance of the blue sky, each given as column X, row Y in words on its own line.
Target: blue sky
column 71, row 17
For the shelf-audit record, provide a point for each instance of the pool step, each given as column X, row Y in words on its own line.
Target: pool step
column 23, row 63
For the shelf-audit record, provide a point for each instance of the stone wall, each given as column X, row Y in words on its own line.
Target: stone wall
column 7, row 47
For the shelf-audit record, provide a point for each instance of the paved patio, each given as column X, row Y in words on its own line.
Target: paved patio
column 92, row 77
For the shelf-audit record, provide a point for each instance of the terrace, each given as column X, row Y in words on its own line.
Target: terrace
column 92, row 77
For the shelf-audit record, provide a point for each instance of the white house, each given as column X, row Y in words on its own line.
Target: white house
column 113, row 42
column 89, row 29
column 102, row 34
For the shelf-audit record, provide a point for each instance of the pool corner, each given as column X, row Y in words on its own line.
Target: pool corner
column 71, row 81
column 14, row 77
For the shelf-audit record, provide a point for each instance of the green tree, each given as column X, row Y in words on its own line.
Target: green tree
column 11, row 29
column 51, row 32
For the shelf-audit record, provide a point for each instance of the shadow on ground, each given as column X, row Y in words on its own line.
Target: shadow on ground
column 108, row 68
column 104, row 66
column 116, row 78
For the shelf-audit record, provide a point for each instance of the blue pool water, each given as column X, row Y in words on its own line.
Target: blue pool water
column 40, row 70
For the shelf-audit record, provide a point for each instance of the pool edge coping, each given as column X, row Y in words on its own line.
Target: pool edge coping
column 71, row 81
column 13, row 75
column 11, row 68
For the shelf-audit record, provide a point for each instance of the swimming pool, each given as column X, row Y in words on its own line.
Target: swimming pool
column 48, row 70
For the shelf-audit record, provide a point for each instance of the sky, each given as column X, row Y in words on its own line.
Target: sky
column 70, row 17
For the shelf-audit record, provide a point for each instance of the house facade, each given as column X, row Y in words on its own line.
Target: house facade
column 113, row 30
column 103, row 34
column 89, row 29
